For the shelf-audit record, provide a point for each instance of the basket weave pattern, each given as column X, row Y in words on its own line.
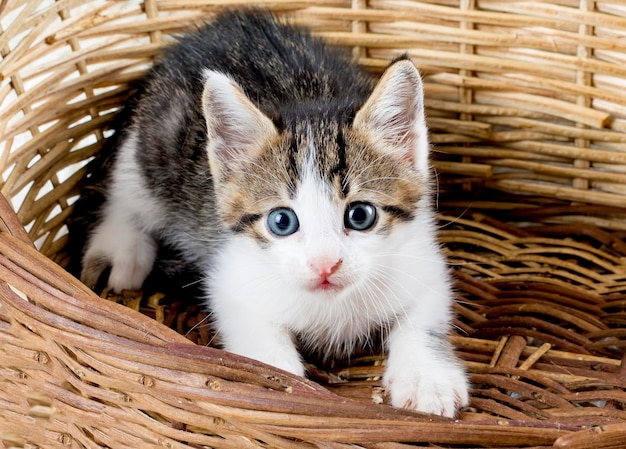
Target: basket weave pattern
column 527, row 109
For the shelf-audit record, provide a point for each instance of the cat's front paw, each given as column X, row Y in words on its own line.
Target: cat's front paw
column 290, row 364
column 440, row 389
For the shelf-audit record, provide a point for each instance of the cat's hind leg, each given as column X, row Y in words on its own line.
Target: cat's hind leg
column 123, row 238
column 121, row 244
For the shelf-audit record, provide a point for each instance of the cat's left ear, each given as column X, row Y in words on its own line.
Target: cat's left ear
column 236, row 128
column 394, row 115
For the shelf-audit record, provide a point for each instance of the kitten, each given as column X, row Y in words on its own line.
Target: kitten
column 301, row 191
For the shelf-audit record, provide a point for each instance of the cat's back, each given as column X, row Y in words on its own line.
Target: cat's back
column 275, row 63
column 282, row 68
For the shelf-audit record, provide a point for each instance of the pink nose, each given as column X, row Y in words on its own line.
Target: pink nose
column 324, row 267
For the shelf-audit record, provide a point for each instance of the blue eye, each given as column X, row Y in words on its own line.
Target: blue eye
column 360, row 216
column 283, row 222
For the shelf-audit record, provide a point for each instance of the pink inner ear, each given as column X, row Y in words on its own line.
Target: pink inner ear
column 408, row 156
column 394, row 114
column 232, row 119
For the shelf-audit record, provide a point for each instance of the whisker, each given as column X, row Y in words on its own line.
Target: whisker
column 370, row 165
column 451, row 222
column 381, row 178
column 191, row 284
column 417, row 279
column 436, row 178
column 197, row 325
column 459, row 329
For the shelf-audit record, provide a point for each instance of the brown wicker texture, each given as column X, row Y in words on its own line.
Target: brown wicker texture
column 526, row 101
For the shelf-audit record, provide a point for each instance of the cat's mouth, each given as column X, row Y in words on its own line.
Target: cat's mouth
column 326, row 285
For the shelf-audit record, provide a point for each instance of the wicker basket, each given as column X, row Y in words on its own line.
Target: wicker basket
column 527, row 105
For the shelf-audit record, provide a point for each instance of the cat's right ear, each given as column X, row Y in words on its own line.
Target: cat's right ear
column 394, row 114
column 235, row 126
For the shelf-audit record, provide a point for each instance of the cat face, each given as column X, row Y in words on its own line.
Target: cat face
column 317, row 205
column 329, row 202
